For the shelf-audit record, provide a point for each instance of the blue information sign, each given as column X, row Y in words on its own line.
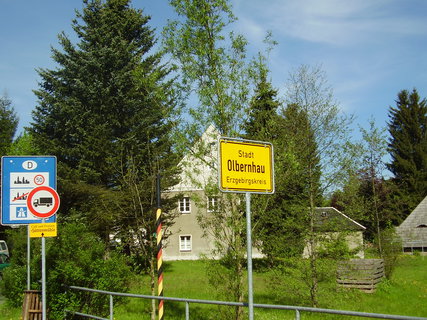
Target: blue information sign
column 20, row 175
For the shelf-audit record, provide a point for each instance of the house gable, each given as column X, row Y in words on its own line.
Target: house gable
column 413, row 230
column 198, row 170
column 330, row 219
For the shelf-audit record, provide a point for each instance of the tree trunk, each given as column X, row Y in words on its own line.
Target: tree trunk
column 313, row 248
column 377, row 218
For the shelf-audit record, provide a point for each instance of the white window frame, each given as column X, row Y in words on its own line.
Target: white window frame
column 185, row 243
column 212, row 204
column 184, row 205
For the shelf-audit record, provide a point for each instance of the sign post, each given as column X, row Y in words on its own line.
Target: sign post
column 43, row 202
column 19, row 175
column 246, row 166
column 28, row 197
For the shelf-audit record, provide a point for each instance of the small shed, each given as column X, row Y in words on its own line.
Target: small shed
column 413, row 230
column 330, row 222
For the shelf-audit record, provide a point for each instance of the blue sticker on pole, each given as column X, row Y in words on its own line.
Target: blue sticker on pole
column 19, row 176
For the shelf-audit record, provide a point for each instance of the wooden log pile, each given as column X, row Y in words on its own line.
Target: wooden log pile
column 32, row 305
column 362, row 274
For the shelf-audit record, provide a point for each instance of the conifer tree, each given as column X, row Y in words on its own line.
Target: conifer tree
column 408, row 147
column 106, row 112
column 100, row 98
column 8, row 124
column 263, row 116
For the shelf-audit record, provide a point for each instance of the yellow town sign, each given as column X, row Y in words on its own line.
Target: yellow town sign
column 245, row 166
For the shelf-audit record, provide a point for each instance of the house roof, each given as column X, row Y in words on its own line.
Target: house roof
column 199, row 168
column 413, row 230
column 331, row 219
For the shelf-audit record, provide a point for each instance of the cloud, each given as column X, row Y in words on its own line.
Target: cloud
column 334, row 22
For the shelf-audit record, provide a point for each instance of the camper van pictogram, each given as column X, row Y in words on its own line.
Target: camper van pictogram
column 43, row 201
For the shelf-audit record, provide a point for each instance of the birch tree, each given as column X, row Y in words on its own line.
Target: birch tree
column 213, row 72
column 325, row 164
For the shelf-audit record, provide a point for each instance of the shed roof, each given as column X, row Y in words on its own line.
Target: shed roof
column 331, row 219
column 413, row 230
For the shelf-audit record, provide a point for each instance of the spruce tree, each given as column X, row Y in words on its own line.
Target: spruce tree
column 106, row 112
column 408, row 147
column 100, row 97
column 263, row 117
column 8, row 124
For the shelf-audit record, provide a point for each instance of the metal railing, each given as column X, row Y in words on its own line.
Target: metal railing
column 187, row 302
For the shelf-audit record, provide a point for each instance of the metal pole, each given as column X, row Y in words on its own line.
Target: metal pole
column 187, row 311
column 159, row 250
column 111, row 308
column 43, row 277
column 249, row 255
column 28, row 259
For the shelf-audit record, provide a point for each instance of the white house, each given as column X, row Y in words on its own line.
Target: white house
column 188, row 240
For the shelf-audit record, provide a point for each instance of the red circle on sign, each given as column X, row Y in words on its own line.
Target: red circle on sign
column 31, row 205
column 39, row 179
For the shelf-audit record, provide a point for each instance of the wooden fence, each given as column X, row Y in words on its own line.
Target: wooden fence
column 363, row 274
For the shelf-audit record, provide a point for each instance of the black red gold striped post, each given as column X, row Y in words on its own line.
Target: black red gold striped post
column 159, row 252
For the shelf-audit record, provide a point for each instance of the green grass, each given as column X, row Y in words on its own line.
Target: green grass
column 7, row 312
column 404, row 294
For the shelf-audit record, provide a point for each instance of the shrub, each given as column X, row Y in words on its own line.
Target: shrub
column 76, row 257
column 391, row 249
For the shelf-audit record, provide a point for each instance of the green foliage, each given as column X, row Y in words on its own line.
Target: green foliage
column 227, row 284
column 391, row 250
column 403, row 294
column 24, row 145
column 336, row 247
column 408, row 147
column 105, row 99
column 76, row 257
column 8, row 124
column 107, row 112
column 13, row 284
column 263, row 120
column 315, row 141
column 292, row 281
column 213, row 68
column 211, row 64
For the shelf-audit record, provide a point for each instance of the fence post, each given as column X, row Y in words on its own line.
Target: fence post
column 187, row 310
column 297, row 316
column 111, row 308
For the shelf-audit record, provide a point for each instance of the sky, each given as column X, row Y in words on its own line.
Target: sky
column 369, row 50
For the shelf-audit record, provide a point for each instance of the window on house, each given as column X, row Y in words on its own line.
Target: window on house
column 184, row 205
column 185, row 243
column 213, row 203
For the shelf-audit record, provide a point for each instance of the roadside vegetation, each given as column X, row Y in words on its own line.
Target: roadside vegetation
column 403, row 294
